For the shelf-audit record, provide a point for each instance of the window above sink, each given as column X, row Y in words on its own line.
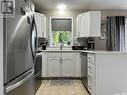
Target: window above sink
column 61, row 31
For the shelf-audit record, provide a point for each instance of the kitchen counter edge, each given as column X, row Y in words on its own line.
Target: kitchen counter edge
column 86, row 51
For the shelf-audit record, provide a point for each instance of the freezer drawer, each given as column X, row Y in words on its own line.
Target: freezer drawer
column 25, row 86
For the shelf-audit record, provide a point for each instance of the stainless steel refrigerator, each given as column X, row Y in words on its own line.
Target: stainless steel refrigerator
column 20, row 45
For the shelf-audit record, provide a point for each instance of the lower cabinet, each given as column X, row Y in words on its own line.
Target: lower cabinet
column 68, row 67
column 54, row 67
column 106, row 73
column 61, row 65
column 91, row 73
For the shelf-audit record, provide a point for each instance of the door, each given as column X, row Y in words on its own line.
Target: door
column 40, row 20
column 85, row 25
column 79, row 25
column 17, row 44
column 23, row 85
column 68, row 65
column 54, row 67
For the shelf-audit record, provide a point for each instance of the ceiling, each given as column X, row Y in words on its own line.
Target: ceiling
column 83, row 4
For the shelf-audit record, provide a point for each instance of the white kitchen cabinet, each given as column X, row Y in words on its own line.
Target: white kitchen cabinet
column 61, row 64
column 89, row 24
column 53, row 64
column 44, row 64
column 68, row 65
column 54, row 67
column 105, row 73
column 40, row 21
column 91, row 73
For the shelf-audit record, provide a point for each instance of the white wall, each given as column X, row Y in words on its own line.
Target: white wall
column 113, row 13
column 101, row 43
column 1, row 56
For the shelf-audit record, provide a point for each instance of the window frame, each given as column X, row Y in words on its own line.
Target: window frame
column 125, row 33
column 51, row 34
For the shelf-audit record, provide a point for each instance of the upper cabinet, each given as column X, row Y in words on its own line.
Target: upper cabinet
column 40, row 20
column 89, row 24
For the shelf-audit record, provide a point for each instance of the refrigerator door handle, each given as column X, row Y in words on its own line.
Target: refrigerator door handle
column 34, row 33
column 17, row 84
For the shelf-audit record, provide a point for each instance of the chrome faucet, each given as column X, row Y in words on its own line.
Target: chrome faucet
column 61, row 46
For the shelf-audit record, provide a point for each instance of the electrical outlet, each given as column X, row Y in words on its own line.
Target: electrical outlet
column 116, row 94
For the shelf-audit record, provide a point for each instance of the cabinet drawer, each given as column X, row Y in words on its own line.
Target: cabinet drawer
column 90, row 58
column 52, row 54
column 91, row 83
column 91, row 68
column 91, row 75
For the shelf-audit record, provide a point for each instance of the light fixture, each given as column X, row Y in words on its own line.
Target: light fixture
column 61, row 9
column 61, row 6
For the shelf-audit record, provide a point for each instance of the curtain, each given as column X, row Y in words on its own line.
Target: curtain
column 116, row 33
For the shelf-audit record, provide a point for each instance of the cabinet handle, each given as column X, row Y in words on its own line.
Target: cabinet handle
column 90, row 77
column 89, row 61
column 89, row 67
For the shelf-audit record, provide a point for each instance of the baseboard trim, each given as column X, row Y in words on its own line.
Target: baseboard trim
column 56, row 78
column 86, row 88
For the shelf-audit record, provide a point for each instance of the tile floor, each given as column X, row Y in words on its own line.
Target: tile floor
column 49, row 87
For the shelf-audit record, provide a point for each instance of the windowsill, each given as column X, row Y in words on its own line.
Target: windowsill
column 56, row 48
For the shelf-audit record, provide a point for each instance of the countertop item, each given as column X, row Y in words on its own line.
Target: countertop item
column 79, row 48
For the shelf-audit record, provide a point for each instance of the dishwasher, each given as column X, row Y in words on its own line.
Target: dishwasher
column 84, row 68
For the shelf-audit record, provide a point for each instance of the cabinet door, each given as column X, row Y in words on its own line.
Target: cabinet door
column 44, row 64
column 91, row 83
column 95, row 23
column 43, row 25
column 44, row 29
column 54, row 67
column 89, row 24
column 68, row 67
column 85, row 25
column 38, row 21
column 78, row 25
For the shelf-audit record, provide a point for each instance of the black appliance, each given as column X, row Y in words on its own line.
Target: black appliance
column 83, row 56
column 42, row 42
column 91, row 43
column 79, row 48
column 38, row 70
